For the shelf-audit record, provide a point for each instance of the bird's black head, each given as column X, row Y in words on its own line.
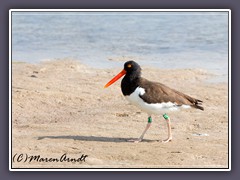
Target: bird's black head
column 132, row 69
column 132, row 72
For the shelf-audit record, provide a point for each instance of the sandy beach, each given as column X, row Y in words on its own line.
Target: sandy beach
column 60, row 111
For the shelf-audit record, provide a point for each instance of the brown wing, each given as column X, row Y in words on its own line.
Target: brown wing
column 158, row 93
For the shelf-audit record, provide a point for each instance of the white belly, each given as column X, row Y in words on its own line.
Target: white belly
column 154, row 108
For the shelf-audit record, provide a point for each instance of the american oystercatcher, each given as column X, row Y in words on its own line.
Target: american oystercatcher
column 152, row 97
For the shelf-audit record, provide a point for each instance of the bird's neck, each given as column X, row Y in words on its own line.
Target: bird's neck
column 129, row 84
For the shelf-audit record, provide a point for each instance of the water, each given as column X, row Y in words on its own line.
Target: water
column 161, row 39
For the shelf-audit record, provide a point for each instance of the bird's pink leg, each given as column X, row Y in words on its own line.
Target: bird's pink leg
column 145, row 130
column 167, row 118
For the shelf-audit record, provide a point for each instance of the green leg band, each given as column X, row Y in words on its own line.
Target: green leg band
column 149, row 119
column 166, row 117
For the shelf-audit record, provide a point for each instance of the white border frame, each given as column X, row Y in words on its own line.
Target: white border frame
column 119, row 10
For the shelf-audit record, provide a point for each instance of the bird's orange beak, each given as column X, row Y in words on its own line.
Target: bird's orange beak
column 123, row 72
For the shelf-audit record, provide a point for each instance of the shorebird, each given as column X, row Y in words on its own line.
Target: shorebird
column 152, row 97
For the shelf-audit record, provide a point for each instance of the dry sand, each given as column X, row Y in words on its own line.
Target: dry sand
column 61, row 107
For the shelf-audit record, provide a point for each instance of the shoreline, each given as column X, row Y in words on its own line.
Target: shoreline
column 211, row 76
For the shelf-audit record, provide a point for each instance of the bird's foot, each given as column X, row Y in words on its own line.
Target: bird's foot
column 135, row 140
column 167, row 140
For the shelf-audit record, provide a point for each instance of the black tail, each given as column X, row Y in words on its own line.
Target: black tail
column 197, row 105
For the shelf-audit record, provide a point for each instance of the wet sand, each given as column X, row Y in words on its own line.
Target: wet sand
column 60, row 107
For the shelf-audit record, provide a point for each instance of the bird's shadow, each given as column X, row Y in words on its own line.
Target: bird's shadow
column 92, row 138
